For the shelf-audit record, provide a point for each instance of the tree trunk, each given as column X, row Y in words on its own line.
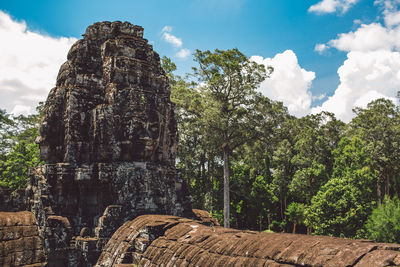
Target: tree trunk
column 284, row 205
column 378, row 190
column 294, row 227
column 212, row 185
column 308, row 230
column 202, row 178
column 226, row 185
column 387, row 185
column 281, row 198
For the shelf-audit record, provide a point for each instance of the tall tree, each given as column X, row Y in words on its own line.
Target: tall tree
column 227, row 81
column 318, row 136
column 378, row 126
column 282, row 159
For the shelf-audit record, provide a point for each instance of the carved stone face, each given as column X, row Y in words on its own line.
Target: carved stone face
column 111, row 102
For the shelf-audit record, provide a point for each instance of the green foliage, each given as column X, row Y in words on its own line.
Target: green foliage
column 378, row 126
column 169, row 67
column 295, row 214
column 19, row 152
column 384, row 223
column 255, row 207
column 278, row 226
column 6, row 131
column 15, row 169
column 318, row 135
column 343, row 204
column 314, row 171
column 226, row 105
column 263, row 194
column 227, row 83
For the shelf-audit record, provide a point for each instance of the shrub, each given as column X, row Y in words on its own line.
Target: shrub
column 384, row 223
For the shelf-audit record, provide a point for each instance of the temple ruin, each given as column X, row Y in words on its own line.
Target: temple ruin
column 109, row 194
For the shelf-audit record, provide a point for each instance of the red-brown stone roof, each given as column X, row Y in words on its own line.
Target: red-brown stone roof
column 158, row 240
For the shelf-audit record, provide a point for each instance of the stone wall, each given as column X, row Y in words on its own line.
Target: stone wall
column 20, row 244
column 156, row 240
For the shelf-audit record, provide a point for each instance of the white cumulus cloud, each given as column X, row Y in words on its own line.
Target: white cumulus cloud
column 288, row 83
column 369, row 37
column 29, row 65
column 372, row 67
column 364, row 77
column 331, row 6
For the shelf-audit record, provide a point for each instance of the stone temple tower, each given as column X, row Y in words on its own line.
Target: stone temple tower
column 108, row 138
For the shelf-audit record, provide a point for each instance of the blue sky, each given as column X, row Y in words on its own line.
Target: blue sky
column 328, row 54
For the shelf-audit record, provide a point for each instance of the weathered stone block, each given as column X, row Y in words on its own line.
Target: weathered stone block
column 20, row 244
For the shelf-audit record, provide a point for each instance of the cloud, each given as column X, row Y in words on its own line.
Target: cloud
column 387, row 4
column 392, row 18
column 318, row 97
column 29, row 64
column 288, row 83
column 372, row 67
column 321, row 48
column 21, row 110
column 167, row 29
column 364, row 77
column 183, row 53
column 369, row 37
column 331, row 6
column 390, row 11
column 169, row 38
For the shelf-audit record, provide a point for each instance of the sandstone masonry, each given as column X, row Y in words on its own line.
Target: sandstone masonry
column 20, row 244
column 160, row 240
column 108, row 137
